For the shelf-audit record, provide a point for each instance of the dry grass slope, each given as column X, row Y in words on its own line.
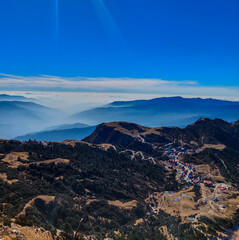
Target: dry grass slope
column 214, row 146
column 24, row 233
column 12, row 160
column 12, row 157
column 45, row 198
column 56, row 161
column 182, row 203
column 3, row 176
column 126, row 205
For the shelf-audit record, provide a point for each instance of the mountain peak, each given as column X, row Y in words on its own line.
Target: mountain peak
column 216, row 121
column 121, row 125
column 118, row 133
column 203, row 119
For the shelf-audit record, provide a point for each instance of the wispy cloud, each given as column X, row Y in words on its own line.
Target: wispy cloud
column 103, row 84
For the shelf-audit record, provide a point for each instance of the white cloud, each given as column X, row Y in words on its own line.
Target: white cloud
column 103, row 84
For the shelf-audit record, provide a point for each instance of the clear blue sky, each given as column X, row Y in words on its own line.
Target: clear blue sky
column 166, row 39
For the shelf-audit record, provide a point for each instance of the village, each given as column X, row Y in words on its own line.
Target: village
column 186, row 172
column 212, row 197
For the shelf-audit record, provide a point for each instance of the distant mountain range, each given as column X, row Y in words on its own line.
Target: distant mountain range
column 6, row 97
column 19, row 117
column 167, row 111
column 60, row 133
column 28, row 120
column 67, row 126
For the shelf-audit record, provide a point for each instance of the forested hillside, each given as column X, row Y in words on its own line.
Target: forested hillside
column 126, row 181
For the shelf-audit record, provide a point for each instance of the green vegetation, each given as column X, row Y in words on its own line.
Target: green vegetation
column 103, row 193
column 90, row 174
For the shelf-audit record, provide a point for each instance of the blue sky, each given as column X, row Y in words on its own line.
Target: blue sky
column 193, row 43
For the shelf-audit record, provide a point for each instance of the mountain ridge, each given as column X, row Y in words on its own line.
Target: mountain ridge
column 6, row 97
column 58, row 135
column 192, row 131
column 169, row 111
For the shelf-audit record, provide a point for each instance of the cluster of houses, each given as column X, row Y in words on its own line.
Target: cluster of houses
column 186, row 172
column 223, row 189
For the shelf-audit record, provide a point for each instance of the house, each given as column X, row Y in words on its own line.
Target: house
column 225, row 191
column 206, row 182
